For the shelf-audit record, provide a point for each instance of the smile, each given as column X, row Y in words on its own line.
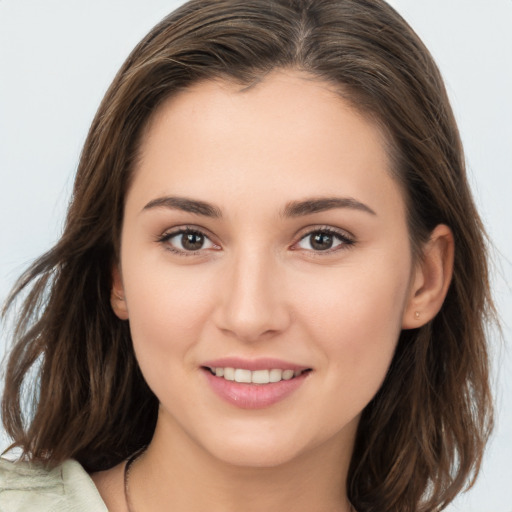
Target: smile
column 242, row 375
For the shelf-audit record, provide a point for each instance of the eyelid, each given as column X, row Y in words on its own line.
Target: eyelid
column 348, row 239
column 168, row 234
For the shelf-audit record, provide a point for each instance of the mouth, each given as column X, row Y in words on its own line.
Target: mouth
column 261, row 377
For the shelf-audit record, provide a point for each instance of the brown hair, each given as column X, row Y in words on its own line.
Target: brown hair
column 421, row 438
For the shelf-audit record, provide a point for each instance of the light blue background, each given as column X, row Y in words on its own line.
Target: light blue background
column 57, row 58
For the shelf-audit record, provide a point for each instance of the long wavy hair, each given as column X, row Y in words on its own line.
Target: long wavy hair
column 420, row 440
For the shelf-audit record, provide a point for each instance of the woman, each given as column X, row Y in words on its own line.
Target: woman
column 271, row 287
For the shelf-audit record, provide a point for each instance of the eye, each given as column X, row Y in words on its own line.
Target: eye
column 324, row 240
column 187, row 241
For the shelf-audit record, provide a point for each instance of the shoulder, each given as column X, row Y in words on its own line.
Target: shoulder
column 27, row 487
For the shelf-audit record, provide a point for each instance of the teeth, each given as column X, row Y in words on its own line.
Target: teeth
column 260, row 377
column 229, row 373
column 257, row 376
column 243, row 376
column 287, row 374
column 275, row 375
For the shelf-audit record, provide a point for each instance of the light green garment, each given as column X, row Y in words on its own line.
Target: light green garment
column 27, row 487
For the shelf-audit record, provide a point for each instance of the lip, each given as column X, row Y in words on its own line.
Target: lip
column 265, row 363
column 253, row 396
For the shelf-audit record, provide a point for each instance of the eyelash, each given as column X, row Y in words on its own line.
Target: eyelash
column 165, row 237
column 346, row 240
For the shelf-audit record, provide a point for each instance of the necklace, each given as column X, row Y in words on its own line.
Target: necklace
column 127, row 467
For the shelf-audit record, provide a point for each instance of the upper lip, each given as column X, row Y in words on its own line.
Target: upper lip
column 265, row 363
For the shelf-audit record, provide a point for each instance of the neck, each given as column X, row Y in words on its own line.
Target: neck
column 175, row 473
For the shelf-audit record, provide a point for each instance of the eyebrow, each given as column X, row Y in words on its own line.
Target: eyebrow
column 322, row 204
column 292, row 209
column 185, row 204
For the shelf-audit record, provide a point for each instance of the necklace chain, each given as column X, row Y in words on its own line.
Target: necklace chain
column 127, row 467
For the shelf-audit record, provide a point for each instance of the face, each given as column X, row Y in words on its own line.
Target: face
column 263, row 238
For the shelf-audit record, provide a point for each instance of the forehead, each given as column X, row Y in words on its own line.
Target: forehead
column 288, row 131
column 282, row 96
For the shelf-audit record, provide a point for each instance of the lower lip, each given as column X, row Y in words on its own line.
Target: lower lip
column 253, row 396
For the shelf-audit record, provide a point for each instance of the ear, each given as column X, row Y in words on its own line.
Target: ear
column 117, row 298
column 431, row 279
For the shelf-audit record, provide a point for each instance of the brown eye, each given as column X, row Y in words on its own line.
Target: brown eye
column 187, row 241
column 192, row 241
column 323, row 240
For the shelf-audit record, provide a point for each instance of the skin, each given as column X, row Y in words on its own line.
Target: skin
column 258, row 288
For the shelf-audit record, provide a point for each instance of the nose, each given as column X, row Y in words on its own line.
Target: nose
column 253, row 303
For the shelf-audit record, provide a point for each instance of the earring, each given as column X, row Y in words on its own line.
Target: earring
column 116, row 299
column 118, row 304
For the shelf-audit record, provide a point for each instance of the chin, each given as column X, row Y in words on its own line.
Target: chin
column 255, row 456
column 261, row 448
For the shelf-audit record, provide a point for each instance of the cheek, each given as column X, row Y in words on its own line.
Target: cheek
column 167, row 313
column 357, row 315
column 167, row 309
column 356, row 325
